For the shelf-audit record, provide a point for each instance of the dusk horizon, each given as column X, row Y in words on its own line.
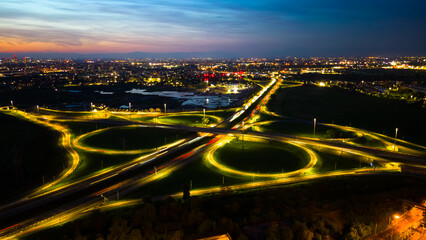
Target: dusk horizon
column 213, row 119
column 181, row 55
column 242, row 28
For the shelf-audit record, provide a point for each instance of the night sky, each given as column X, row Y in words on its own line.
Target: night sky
column 262, row 28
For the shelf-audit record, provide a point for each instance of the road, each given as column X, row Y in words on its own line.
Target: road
column 52, row 206
column 40, row 201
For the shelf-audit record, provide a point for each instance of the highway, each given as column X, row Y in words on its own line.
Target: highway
column 50, row 205
column 40, row 201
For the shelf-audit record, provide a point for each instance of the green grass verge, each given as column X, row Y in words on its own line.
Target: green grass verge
column 349, row 108
column 29, row 152
column 306, row 130
column 132, row 138
column 262, row 157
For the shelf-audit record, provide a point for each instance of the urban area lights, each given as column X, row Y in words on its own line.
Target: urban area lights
column 244, row 122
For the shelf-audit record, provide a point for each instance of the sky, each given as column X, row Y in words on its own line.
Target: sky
column 240, row 28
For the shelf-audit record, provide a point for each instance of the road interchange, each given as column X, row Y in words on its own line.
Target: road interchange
column 133, row 174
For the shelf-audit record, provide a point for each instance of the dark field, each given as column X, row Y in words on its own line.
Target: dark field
column 305, row 129
column 352, row 109
column 29, row 152
column 272, row 157
column 131, row 138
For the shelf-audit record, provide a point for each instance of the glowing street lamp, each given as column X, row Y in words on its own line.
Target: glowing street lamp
column 394, row 143
column 315, row 125
column 204, row 113
column 396, row 217
column 38, row 109
column 11, row 103
column 242, row 135
column 165, row 108
column 130, row 106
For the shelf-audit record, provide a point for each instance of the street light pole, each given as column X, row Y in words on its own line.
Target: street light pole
column 130, row 106
column 38, row 109
column 315, row 125
column 11, row 103
column 242, row 136
column 394, row 143
column 204, row 113
column 165, row 108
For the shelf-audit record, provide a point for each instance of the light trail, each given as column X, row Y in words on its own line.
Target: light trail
column 177, row 163
column 390, row 146
column 77, row 144
column 65, row 142
column 211, row 160
column 31, row 226
column 216, row 118
column 283, row 181
column 64, row 217
column 106, row 174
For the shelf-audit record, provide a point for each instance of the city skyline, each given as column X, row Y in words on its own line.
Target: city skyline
column 217, row 29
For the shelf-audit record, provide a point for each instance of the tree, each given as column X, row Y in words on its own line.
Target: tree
column 272, row 232
column 206, row 120
column 358, row 231
column 176, row 235
column 206, row 226
column 242, row 236
column 331, row 133
column 286, row 233
column 302, row 232
column 118, row 230
column 186, row 192
column 135, row 234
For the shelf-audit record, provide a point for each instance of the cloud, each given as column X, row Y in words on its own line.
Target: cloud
column 282, row 26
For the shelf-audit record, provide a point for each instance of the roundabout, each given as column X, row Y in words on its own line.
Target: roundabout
column 304, row 154
column 133, row 139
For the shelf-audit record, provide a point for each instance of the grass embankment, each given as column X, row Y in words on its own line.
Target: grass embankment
column 190, row 120
column 329, row 161
column 306, row 129
column 131, row 138
column 262, row 157
column 29, row 152
column 350, row 108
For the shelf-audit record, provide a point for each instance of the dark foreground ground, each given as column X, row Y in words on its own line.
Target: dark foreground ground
column 338, row 208
column 29, row 152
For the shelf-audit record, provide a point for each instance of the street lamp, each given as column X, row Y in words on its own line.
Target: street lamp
column 315, row 125
column 11, row 103
column 394, row 216
column 130, row 106
column 38, row 109
column 165, row 108
column 204, row 113
column 242, row 135
column 394, row 143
